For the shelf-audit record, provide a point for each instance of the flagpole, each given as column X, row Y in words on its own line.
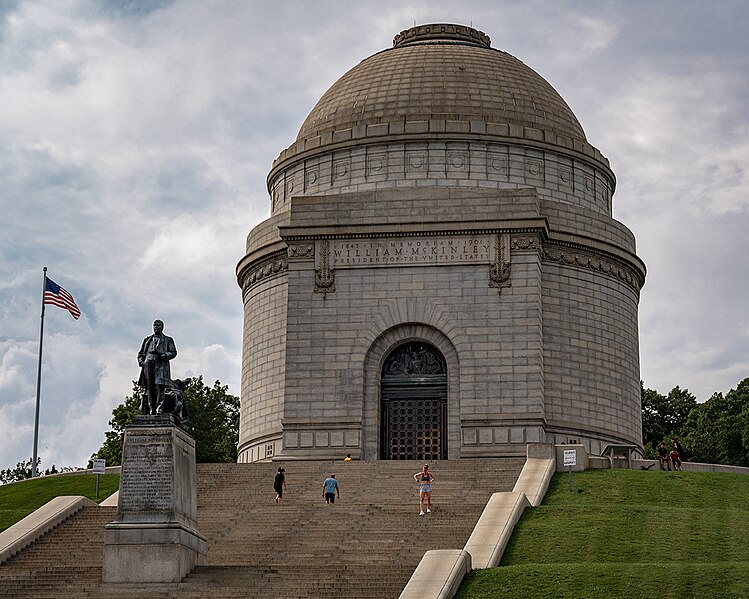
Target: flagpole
column 38, row 379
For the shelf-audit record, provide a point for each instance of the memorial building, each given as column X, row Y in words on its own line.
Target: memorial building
column 440, row 276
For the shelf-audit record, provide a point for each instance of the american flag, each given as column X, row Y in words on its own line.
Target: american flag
column 57, row 296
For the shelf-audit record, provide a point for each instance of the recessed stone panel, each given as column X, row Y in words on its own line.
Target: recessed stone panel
column 470, row 436
column 351, row 438
column 341, row 171
column 534, row 434
column 485, row 435
column 377, row 166
column 497, row 163
column 501, row 434
column 534, row 167
column 311, row 178
column 517, row 435
column 416, row 161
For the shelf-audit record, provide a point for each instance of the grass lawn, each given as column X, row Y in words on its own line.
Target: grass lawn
column 627, row 534
column 18, row 500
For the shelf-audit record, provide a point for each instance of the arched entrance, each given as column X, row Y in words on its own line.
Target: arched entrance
column 413, row 392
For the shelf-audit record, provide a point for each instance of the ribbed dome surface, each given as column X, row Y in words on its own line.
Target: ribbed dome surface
column 441, row 76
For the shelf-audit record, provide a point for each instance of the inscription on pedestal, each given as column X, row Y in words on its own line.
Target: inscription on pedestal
column 457, row 249
column 147, row 482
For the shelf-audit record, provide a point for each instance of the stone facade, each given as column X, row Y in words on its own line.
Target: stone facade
column 475, row 220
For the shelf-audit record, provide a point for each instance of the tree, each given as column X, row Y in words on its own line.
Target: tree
column 213, row 422
column 664, row 416
column 22, row 471
column 653, row 427
column 717, row 431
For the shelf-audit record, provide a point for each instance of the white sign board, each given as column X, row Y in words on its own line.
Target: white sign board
column 99, row 466
column 570, row 457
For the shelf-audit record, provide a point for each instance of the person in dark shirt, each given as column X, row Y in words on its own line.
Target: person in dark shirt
column 663, row 458
column 279, row 484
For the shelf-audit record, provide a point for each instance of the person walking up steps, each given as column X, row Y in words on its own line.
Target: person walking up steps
column 279, row 484
column 330, row 489
column 425, row 478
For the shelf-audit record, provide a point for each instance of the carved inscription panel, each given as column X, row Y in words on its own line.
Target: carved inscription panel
column 146, row 485
column 452, row 249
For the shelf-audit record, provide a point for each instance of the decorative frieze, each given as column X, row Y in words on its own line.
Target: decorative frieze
column 591, row 261
column 276, row 265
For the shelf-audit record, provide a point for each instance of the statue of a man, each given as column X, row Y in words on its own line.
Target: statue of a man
column 153, row 359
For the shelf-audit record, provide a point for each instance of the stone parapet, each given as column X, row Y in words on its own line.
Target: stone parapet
column 438, row 575
column 536, row 475
column 24, row 532
column 492, row 532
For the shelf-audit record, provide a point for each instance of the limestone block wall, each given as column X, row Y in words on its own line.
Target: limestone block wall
column 591, row 357
column 263, row 368
column 265, row 233
column 491, row 342
column 597, row 227
column 508, row 408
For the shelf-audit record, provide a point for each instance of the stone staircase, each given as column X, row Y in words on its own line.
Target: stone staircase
column 365, row 546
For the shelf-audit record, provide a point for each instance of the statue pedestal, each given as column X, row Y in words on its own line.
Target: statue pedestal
column 154, row 537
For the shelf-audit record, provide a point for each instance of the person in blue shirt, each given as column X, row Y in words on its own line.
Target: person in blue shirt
column 330, row 489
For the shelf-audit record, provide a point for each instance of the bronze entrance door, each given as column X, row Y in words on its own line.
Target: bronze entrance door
column 414, row 404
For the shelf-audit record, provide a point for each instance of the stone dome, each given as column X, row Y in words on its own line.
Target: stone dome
column 442, row 72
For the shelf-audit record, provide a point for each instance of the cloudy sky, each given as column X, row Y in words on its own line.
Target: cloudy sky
column 135, row 137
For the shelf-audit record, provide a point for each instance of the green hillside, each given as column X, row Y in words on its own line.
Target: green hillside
column 17, row 500
column 627, row 535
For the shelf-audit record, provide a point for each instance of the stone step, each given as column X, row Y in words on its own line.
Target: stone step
column 365, row 546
